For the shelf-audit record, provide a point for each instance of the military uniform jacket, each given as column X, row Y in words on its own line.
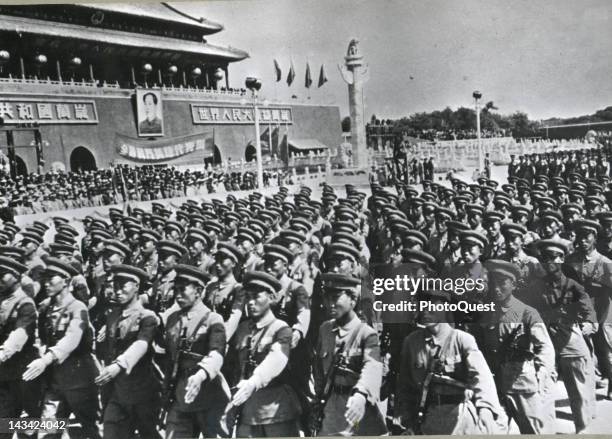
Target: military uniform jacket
column 17, row 332
column 267, row 343
column 293, row 305
column 204, row 347
column 563, row 305
column 36, row 266
column 300, row 272
column 224, row 297
column 437, row 243
column 252, row 263
column 495, row 249
column 362, row 350
column 163, row 291
column 137, row 383
column 462, row 361
column 67, row 333
column 512, row 331
column 594, row 272
column 148, row 263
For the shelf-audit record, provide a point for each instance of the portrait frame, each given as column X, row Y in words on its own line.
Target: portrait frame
column 149, row 113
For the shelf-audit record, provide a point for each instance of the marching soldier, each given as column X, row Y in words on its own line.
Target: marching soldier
column 225, row 295
column 496, row 244
column 31, row 242
column 267, row 403
column 515, row 253
column 348, row 369
column 298, row 269
column 162, row 292
column 247, row 240
column 67, row 334
column 195, row 340
column 133, row 400
column 115, row 252
column 148, row 258
column 520, row 352
column 445, row 386
column 567, row 310
column 199, row 244
column 594, row 272
column 17, row 350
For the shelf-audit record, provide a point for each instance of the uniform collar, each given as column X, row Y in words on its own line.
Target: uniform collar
column 132, row 309
column 265, row 320
column 508, row 305
column 229, row 280
column 197, row 309
column 590, row 256
column 67, row 300
column 348, row 327
column 438, row 338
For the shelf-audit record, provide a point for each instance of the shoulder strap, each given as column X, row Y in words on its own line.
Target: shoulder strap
column 203, row 321
column 356, row 333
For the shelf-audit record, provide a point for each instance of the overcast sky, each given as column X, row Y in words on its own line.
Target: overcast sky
column 545, row 57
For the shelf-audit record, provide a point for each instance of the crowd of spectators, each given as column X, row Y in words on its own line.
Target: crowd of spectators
column 57, row 190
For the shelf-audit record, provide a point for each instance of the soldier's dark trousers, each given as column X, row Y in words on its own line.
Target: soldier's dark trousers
column 82, row 402
column 190, row 425
column 16, row 396
column 121, row 420
column 278, row 429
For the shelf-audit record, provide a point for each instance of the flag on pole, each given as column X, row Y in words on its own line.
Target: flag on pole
column 308, row 79
column 291, row 75
column 277, row 71
column 322, row 77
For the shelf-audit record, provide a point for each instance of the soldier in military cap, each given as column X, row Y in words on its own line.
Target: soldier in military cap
column 594, row 272
column 439, row 238
column 199, row 244
column 161, row 296
column 520, row 352
column 496, row 245
column 67, row 335
column 31, row 243
column 133, row 401
column 247, row 240
column 115, row 252
column 299, row 269
column 18, row 320
column 438, row 364
column 475, row 213
column 267, row 403
column 195, row 341
column 347, row 368
column 450, row 256
column 604, row 241
column 148, row 257
column 471, row 267
column 570, row 318
column 224, row 295
column 514, row 235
